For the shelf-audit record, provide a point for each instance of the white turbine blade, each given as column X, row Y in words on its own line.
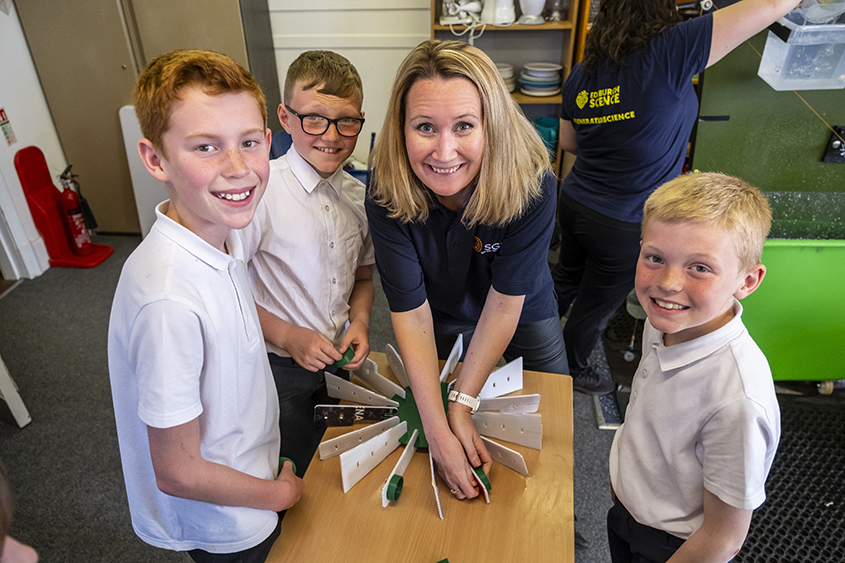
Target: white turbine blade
column 356, row 463
column 504, row 380
column 401, row 465
column 506, row 456
column 394, row 360
column 339, row 388
column 454, row 356
column 516, row 404
column 368, row 373
column 336, row 446
column 522, row 429
column 434, row 485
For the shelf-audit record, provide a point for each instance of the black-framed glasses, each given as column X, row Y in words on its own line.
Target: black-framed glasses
column 316, row 125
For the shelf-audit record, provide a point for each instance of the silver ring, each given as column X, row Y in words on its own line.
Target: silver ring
column 453, row 491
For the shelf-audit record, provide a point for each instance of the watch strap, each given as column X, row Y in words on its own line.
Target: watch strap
column 456, row 396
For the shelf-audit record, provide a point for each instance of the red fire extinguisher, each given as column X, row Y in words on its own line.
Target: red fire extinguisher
column 80, row 238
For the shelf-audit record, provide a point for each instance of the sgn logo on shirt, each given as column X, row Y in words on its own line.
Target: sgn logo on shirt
column 482, row 248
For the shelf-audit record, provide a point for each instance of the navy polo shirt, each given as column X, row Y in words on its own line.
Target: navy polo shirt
column 633, row 121
column 453, row 267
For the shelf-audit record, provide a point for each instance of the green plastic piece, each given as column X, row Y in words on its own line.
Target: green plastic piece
column 394, row 488
column 482, row 477
column 409, row 413
column 282, row 461
column 347, row 357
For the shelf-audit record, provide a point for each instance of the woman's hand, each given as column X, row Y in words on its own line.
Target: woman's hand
column 451, row 462
column 460, row 421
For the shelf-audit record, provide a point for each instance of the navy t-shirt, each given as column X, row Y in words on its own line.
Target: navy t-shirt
column 633, row 121
column 453, row 267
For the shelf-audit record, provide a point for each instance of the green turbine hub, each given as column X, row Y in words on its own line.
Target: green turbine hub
column 409, row 413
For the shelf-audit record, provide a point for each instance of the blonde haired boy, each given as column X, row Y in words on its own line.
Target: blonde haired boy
column 690, row 462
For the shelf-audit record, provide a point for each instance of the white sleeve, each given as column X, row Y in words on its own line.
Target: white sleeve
column 166, row 351
column 737, row 442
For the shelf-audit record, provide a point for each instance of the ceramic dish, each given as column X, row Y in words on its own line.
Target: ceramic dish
column 539, row 93
column 538, row 82
column 543, row 70
column 532, row 86
column 505, row 69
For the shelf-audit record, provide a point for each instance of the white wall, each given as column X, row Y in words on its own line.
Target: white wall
column 375, row 35
column 22, row 251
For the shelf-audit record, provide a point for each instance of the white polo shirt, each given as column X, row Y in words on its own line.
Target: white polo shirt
column 702, row 415
column 307, row 239
column 184, row 342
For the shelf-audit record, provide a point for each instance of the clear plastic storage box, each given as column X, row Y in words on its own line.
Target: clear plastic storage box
column 812, row 57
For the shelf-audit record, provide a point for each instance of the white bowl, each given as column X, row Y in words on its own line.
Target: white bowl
column 505, row 69
column 543, row 70
column 539, row 93
column 539, row 82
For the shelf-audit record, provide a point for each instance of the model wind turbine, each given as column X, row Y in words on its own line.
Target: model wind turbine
column 396, row 421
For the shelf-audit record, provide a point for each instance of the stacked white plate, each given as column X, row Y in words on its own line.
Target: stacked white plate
column 506, row 70
column 540, row 79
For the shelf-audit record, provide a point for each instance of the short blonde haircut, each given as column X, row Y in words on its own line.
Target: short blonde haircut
column 332, row 73
column 716, row 200
column 162, row 82
column 514, row 158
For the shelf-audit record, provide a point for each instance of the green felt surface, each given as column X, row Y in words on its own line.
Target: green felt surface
column 797, row 315
column 409, row 413
column 773, row 139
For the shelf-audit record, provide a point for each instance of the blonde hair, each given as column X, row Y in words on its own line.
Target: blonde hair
column 333, row 73
column 514, row 158
column 162, row 82
column 716, row 200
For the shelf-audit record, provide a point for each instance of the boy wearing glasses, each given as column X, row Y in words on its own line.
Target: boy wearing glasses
column 309, row 248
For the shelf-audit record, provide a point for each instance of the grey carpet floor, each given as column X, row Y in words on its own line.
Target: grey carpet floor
column 65, row 465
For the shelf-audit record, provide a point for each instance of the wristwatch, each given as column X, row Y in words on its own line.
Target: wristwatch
column 456, row 396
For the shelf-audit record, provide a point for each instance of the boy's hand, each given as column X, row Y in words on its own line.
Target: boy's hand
column 292, row 484
column 310, row 349
column 356, row 335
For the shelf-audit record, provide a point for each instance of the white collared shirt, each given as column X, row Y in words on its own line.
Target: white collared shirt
column 185, row 343
column 307, row 239
column 702, row 415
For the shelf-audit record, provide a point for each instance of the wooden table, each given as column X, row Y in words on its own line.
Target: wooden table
column 528, row 518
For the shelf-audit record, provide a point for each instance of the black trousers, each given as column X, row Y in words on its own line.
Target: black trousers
column 594, row 274
column 632, row 542
column 540, row 344
column 257, row 554
column 299, row 392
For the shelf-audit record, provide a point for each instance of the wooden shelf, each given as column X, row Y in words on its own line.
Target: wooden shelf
column 524, row 99
column 548, row 26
